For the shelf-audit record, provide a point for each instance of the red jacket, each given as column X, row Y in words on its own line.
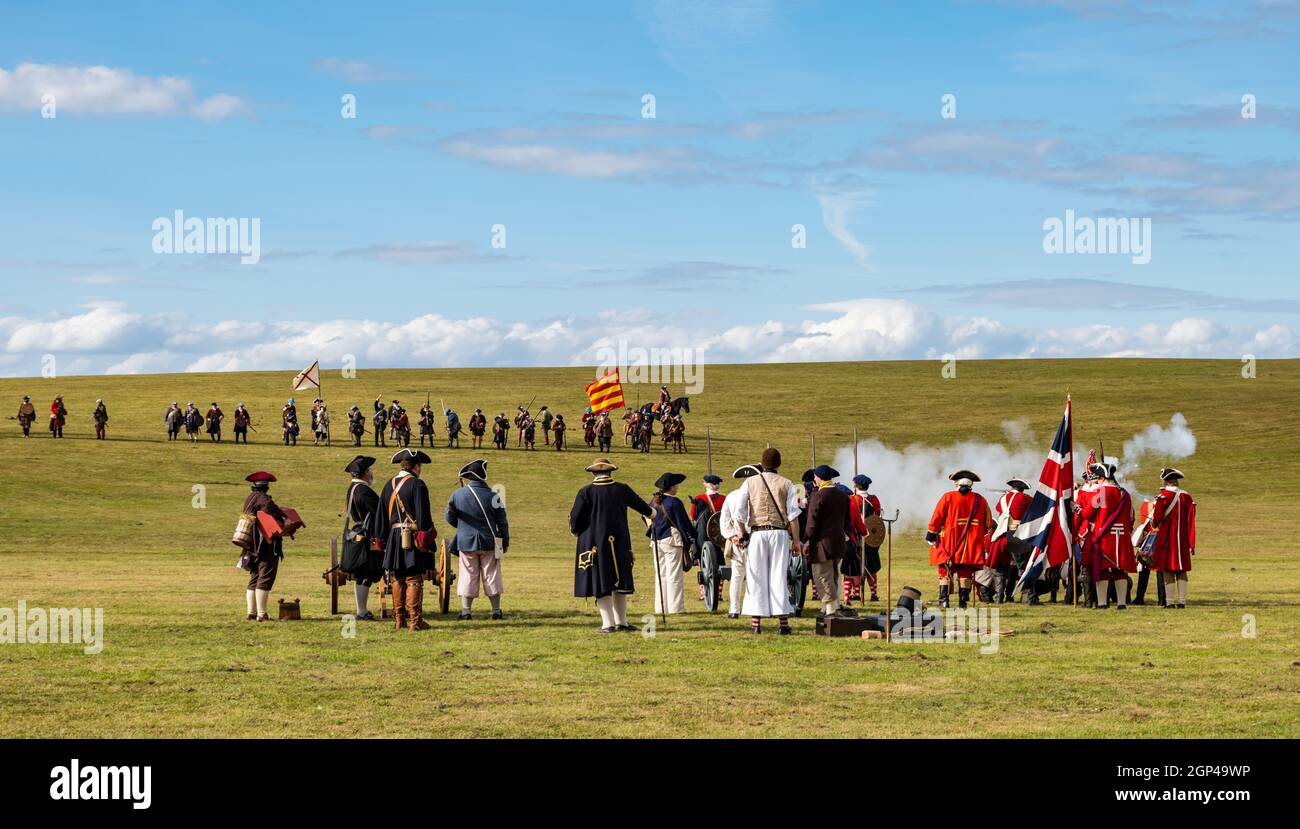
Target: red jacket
column 858, row 515
column 1108, row 520
column 1174, row 519
column 963, row 522
column 716, row 498
column 1014, row 504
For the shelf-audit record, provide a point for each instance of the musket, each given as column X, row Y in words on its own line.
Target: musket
column 862, row 542
column 708, row 449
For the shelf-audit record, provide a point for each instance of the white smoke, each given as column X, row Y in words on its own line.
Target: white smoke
column 911, row 480
column 1170, row 443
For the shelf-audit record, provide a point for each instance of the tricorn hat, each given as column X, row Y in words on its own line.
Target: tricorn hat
column 668, row 480
column 413, row 455
column 712, row 479
column 1170, row 474
column 807, row 476
column 964, row 476
column 749, row 470
column 1102, row 470
column 260, row 477
column 601, row 466
column 475, row 470
column 1018, row 484
column 861, row 481
column 359, row 465
column 826, row 473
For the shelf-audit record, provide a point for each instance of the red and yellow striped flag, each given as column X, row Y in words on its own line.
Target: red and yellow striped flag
column 606, row 393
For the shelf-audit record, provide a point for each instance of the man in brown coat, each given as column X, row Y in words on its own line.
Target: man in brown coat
column 828, row 515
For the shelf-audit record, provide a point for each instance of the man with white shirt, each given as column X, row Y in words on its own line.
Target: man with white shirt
column 734, row 554
column 768, row 512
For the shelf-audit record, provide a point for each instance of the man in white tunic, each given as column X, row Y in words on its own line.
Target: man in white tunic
column 731, row 529
column 768, row 512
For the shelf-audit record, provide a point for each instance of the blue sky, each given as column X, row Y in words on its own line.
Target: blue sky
column 924, row 233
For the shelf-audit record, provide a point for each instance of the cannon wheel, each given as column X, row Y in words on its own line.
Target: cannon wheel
column 445, row 577
column 709, row 573
column 798, row 586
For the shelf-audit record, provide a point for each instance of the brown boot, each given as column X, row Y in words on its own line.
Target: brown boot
column 415, row 603
column 399, row 602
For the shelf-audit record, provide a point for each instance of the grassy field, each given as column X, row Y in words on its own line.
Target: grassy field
column 112, row 525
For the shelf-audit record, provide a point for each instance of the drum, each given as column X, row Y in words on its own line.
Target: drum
column 1146, row 550
column 713, row 531
column 875, row 531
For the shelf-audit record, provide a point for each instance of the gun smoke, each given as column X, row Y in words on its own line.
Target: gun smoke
column 912, row 479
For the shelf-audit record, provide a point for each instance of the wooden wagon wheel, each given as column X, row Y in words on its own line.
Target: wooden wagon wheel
column 445, row 577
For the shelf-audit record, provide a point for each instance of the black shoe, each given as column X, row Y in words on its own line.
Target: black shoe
column 785, row 631
column 626, row 627
column 464, row 617
column 1139, row 601
column 606, row 630
column 733, row 615
column 1169, row 606
column 1121, row 607
column 1182, row 607
column 498, row 615
column 366, row 617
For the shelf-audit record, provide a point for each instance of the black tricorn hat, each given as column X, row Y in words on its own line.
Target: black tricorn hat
column 807, row 476
column 1170, row 474
column 826, row 473
column 475, row 470
column 668, row 480
column 964, row 474
column 413, row 455
column 1018, row 484
column 749, row 470
column 359, row 465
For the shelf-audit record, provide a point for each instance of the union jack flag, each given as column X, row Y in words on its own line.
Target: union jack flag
column 1047, row 524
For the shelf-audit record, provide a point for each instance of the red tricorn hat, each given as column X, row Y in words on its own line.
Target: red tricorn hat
column 257, row 477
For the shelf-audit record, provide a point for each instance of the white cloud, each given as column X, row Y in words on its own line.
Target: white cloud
column 110, row 338
column 836, row 209
column 102, row 90
column 358, row 71
column 565, row 161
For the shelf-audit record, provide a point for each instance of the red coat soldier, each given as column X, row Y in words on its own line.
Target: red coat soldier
column 1107, row 515
column 958, row 533
column 1174, row 521
column 1009, row 512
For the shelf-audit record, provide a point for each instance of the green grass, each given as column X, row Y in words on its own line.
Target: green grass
column 111, row 525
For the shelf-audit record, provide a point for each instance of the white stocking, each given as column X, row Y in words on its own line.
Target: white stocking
column 1103, row 592
column 363, row 593
column 1121, row 592
column 605, row 604
column 251, row 598
column 262, row 597
column 620, row 608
